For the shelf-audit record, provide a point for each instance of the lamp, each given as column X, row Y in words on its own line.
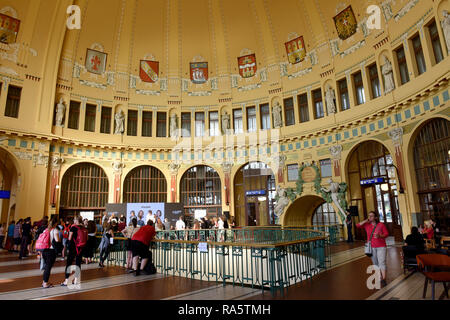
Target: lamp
column 385, row 187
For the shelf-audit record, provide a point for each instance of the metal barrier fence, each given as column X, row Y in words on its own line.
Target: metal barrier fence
column 265, row 258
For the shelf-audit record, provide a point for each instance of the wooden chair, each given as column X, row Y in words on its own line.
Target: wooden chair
column 443, row 242
column 427, row 263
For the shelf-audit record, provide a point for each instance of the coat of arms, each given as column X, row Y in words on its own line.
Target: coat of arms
column 295, row 50
column 95, row 61
column 247, row 65
column 149, row 71
column 345, row 23
column 199, row 72
column 9, row 28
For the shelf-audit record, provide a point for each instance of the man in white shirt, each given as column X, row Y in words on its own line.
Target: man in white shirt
column 180, row 225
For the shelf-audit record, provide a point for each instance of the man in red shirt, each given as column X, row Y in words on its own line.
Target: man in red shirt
column 140, row 246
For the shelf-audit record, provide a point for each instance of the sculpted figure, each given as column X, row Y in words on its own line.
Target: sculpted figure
column 60, row 111
column 386, row 70
column 276, row 113
column 120, row 118
column 329, row 97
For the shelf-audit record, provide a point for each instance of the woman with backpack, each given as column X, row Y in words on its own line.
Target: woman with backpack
column 105, row 244
column 50, row 236
column 75, row 243
column 129, row 232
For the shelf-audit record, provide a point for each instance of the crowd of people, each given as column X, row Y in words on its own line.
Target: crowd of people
column 74, row 239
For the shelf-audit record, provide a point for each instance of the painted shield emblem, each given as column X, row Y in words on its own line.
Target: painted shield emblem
column 199, row 72
column 345, row 23
column 9, row 28
column 247, row 65
column 95, row 61
column 149, row 71
column 295, row 50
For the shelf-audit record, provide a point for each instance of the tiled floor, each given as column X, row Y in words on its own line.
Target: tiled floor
column 344, row 280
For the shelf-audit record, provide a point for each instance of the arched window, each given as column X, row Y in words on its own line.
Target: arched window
column 324, row 215
column 84, row 186
column 432, row 164
column 145, row 184
column 201, row 190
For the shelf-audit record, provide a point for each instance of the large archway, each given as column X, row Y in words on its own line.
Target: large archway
column 201, row 192
column 301, row 211
column 432, row 170
column 145, row 184
column 9, row 186
column 373, row 186
column 254, row 195
column 84, row 187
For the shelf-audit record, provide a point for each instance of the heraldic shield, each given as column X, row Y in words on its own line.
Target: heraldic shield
column 295, row 50
column 95, row 61
column 9, row 28
column 149, row 71
column 247, row 65
column 345, row 23
column 199, row 72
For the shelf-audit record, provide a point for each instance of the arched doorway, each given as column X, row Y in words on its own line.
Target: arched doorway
column 432, row 166
column 84, row 187
column 145, row 184
column 254, row 195
column 201, row 190
column 9, row 186
column 373, row 186
column 301, row 211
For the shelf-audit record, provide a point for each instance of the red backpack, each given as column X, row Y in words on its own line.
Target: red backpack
column 66, row 231
column 43, row 242
column 81, row 239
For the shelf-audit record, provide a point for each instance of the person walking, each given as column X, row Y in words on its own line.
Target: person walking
column 105, row 244
column 140, row 246
column 49, row 255
column 91, row 242
column 376, row 234
column 26, row 238
column 75, row 243
column 10, row 238
column 129, row 232
column 349, row 223
column 17, row 235
column 2, row 234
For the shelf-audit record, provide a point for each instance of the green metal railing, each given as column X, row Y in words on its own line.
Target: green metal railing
column 266, row 258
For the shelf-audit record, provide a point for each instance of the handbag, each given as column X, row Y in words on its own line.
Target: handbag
column 368, row 245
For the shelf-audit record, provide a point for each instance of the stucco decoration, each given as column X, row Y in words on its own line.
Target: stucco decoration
column 330, row 97
column 173, row 168
column 446, row 28
column 173, row 126
column 282, row 201
column 227, row 166
column 405, row 9
column 397, row 136
column 225, row 123
column 23, row 155
column 386, row 70
column 276, row 114
column 118, row 166
column 41, row 160
column 56, row 162
column 336, row 194
column 119, row 118
column 60, row 112
column 335, row 152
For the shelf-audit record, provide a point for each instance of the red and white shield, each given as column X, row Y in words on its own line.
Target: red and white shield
column 247, row 65
column 149, row 71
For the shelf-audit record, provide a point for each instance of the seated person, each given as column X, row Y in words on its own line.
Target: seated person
column 428, row 231
column 415, row 239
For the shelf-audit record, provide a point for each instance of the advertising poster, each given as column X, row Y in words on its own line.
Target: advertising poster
column 143, row 211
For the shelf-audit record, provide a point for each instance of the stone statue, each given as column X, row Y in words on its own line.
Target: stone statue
column 446, row 28
column 118, row 166
column 337, row 192
column 120, row 118
column 173, row 126
column 276, row 113
column 386, row 70
column 60, row 111
column 329, row 97
column 225, row 123
column 282, row 202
